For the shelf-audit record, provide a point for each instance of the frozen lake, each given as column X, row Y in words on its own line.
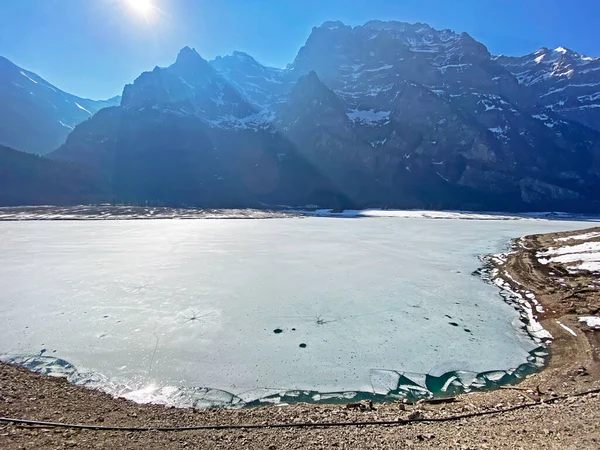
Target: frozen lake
column 254, row 307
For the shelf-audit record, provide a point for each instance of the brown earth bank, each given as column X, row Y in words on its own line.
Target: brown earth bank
column 556, row 419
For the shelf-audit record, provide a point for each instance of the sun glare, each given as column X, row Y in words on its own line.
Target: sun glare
column 141, row 7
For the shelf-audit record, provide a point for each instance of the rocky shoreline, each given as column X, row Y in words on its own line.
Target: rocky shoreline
column 551, row 294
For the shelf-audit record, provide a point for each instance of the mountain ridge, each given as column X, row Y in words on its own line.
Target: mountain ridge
column 383, row 114
column 36, row 116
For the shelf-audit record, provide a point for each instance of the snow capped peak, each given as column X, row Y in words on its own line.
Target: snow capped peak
column 561, row 50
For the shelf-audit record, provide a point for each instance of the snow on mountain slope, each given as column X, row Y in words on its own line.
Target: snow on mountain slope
column 383, row 114
column 260, row 85
column 191, row 87
column 562, row 80
column 361, row 62
column 36, row 116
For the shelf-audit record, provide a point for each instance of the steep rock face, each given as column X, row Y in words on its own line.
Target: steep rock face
column 561, row 80
column 261, row 86
column 36, row 116
column 183, row 135
column 361, row 62
column 434, row 103
column 386, row 114
column 188, row 87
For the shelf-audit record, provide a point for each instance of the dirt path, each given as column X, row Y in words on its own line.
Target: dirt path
column 573, row 422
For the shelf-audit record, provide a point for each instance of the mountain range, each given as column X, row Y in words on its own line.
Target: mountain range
column 386, row 114
column 36, row 116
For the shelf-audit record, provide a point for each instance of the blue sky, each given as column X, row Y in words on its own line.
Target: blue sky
column 92, row 48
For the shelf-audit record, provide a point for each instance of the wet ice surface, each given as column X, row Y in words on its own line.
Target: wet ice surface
column 247, row 305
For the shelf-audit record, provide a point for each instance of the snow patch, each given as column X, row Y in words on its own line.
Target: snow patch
column 591, row 321
column 368, row 116
column 385, row 67
column 580, row 237
column 584, row 256
column 566, row 328
column 65, row 125
column 28, row 77
column 82, row 108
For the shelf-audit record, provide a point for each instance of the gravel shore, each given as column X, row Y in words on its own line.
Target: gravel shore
column 569, row 422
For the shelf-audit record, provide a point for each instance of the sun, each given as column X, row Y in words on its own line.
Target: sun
column 141, row 7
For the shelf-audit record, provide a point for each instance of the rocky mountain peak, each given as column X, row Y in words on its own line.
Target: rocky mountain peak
column 562, row 80
column 310, row 89
column 187, row 56
column 310, row 101
column 310, row 80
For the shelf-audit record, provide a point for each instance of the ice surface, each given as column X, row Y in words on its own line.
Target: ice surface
column 185, row 311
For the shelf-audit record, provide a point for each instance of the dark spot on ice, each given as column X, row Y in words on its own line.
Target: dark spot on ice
column 454, row 324
column 293, row 329
column 103, row 336
column 467, row 330
column 449, row 317
column 105, row 317
column 42, row 351
column 303, row 345
column 426, row 318
column 277, row 330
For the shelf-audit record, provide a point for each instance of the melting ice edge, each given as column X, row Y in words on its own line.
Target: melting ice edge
column 387, row 385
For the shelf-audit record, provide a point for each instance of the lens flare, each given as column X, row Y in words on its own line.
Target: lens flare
column 143, row 8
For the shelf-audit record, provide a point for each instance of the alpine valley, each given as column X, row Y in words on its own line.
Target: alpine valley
column 386, row 114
